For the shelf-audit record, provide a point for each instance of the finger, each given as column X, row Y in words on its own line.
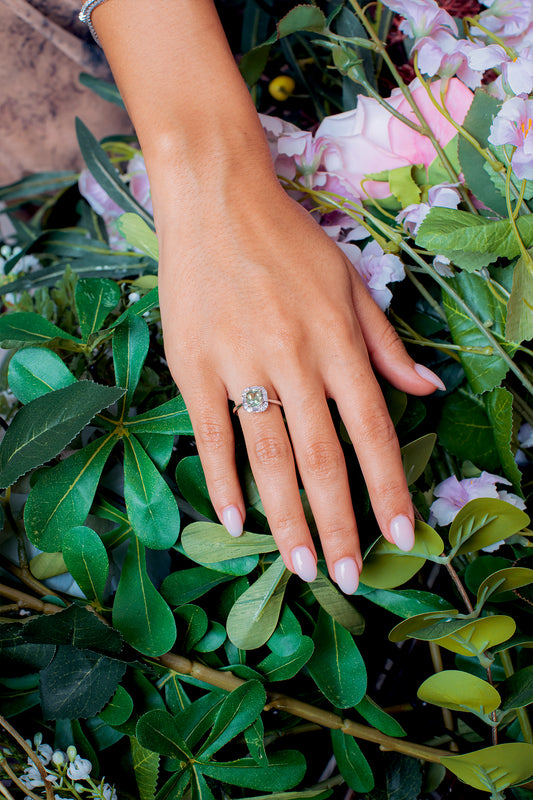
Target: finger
column 207, row 404
column 323, row 471
column 364, row 412
column 272, row 463
column 385, row 348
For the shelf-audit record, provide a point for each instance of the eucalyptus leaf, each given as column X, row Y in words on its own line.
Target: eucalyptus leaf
column 34, row 371
column 45, row 426
column 86, row 559
column 459, row 691
column 493, row 769
column 254, row 616
column 139, row 611
column 336, row 666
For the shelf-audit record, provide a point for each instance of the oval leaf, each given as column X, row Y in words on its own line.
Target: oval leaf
column 238, row 711
column 459, row 691
column 336, row 604
column 385, row 566
column 95, row 298
column 86, row 560
column 485, row 521
column 493, row 769
column 209, row 543
column 34, row 371
column 504, row 580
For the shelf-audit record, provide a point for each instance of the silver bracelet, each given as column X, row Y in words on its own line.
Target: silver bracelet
column 85, row 15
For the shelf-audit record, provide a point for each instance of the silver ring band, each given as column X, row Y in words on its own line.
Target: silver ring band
column 254, row 400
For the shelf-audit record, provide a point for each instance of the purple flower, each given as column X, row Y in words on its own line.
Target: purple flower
column 446, row 56
column 517, row 73
column 422, row 17
column 513, row 125
column 444, row 195
column 506, row 18
column 453, row 494
column 376, row 268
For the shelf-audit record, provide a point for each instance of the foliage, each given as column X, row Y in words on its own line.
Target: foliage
column 175, row 658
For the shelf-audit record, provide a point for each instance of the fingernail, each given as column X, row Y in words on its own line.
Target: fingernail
column 430, row 376
column 402, row 532
column 304, row 563
column 232, row 520
column 346, row 575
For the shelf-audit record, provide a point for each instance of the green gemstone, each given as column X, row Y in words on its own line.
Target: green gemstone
column 254, row 398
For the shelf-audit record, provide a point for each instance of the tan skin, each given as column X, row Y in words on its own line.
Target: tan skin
column 252, row 291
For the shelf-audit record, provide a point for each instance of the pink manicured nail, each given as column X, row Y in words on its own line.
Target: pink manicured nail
column 346, row 575
column 304, row 563
column 430, row 376
column 232, row 520
column 402, row 532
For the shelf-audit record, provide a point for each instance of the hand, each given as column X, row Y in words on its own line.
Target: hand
column 253, row 292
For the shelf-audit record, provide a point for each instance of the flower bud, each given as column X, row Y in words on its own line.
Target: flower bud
column 71, row 752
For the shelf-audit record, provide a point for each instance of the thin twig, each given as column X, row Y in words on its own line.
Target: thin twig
column 29, row 752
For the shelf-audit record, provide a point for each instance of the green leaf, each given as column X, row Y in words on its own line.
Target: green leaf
column 86, row 560
column 466, row 431
column 426, row 624
column 336, row 604
column 190, row 584
column 27, row 327
column 504, row 581
column 105, row 173
column 254, row 737
column 385, row 566
column 192, row 625
column 416, row 455
column 212, row 640
column 130, row 347
column 461, row 636
column 517, row 690
column 254, row 616
column 379, row 718
column 253, row 63
column 285, row 769
column 95, row 298
column 519, row 326
column 499, row 404
column 151, row 506
column 34, row 371
column 119, row 709
column 192, row 485
column 351, row 762
column 209, row 542
column 78, row 683
column 62, row 496
column 170, row 417
column 76, row 626
column 195, row 720
column 287, row 637
column 451, row 232
column 301, row 18
column 239, row 710
column 403, row 777
column 493, row 769
column 459, row 691
column 478, row 122
column 281, row 668
column 139, row 611
column 158, row 731
column 107, row 91
column 200, row 789
column 138, row 234
column 405, row 602
column 336, row 666
column 158, row 446
column 41, row 183
column 484, row 370
column 145, row 769
column 44, row 427
column 485, row 521
column 47, row 565
column 403, row 187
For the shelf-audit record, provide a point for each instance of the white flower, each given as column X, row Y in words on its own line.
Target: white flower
column 109, row 792
column 79, row 769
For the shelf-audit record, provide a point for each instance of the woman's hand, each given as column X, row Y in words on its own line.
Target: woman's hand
column 253, row 292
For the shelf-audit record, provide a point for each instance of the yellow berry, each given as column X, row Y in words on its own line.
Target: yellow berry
column 281, row 87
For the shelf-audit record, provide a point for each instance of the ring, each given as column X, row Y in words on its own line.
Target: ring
column 254, row 399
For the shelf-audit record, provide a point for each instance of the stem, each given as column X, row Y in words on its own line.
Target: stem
column 29, row 752
column 460, row 588
column 228, row 681
column 523, row 718
column 426, row 295
column 24, row 600
column 512, row 219
column 5, row 766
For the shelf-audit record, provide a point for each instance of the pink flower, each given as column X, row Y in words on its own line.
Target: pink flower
column 517, row 73
column 453, row 494
column 513, row 125
column 444, row 195
column 376, row 268
column 506, row 18
column 421, row 17
column 446, row 56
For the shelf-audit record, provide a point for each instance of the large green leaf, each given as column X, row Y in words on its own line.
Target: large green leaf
column 493, row 769
column 485, row 370
column 170, row 417
column 130, row 347
column 34, row 371
column 336, row 604
column 187, row 585
column 405, row 602
column 119, row 709
column 285, row 769
column 504, row 581
column 519, row 325
column 26, row 327
column 415, row 456
column 192, row 485
column 44, row 427
column 499, row 404
column 158, row 731
column 517, row 690
column 336, row 666
column 151, row 506
column 465, row 431
column 467, row 638
column 62, row 496
column 139, row 611
column 86, row 560
column 238, row 711
column 209, row 542
column 287, row 637
column 459, row 691
column 95, row 298
column 485, row 521
column 385, row 566
column 254, row 616
column 145, row 769
column 351, row 762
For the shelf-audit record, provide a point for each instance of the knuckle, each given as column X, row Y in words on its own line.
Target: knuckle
column 376, row 431
column 283, row 523
column 322, row 460
column 212, row 435
column 271, row 451
column 389, row 340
